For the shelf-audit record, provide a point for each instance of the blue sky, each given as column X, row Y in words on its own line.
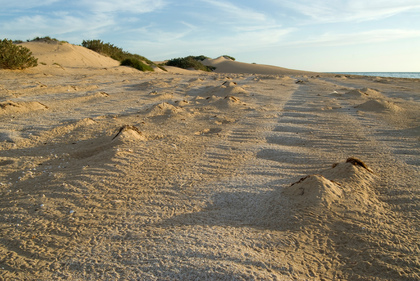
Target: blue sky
column 317, row 35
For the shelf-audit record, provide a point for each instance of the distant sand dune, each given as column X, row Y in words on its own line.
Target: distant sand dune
column 225, row 65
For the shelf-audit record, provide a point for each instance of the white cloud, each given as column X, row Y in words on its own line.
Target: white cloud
column 25, row 4
column 350, row 10
column 76, row 20
column 56, row 24
column 128, row 6
column 247, row 26
column 234, row 12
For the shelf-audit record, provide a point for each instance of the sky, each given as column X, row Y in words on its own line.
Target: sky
column 314, row 35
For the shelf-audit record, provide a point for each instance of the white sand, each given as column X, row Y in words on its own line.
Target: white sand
column 108, row 173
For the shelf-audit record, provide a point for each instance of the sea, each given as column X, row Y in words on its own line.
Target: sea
column 414, row 75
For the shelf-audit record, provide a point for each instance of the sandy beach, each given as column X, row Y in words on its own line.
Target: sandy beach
column 251, row 172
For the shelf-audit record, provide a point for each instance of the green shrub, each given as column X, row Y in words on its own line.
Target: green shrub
column 138, row 64
column 15, row 57
column 108, row 49
column 189, row 62
column 200, row 58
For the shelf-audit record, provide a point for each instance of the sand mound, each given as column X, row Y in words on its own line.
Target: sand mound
column 313, row 190
column 82, row 124
column 346, row 186
column 231, row 88
column 379, row 106
column 129, row 133
column 70, row 131
column 164, row 109
column 11, row 107
column 357, row 180
column 350, row 172
column 371, row 92
column 356, row 93
column 227, row 102
column 363, row 93
column 226, row 89
column 101, row 148
column 219, row 101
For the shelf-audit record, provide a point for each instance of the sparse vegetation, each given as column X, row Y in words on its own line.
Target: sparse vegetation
column 229, row 57
column 200, row 58
column 47, row 39
column 137, row 64
column 15, row 57
column 116, row 53
column 106, row 49
column 190, row 62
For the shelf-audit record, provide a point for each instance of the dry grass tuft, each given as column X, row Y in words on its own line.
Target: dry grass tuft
column 358, row 162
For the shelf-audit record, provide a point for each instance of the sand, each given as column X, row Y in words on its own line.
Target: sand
column 108, row 173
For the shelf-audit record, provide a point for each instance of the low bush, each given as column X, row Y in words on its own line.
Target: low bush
column 137, row 64
column 200, row 58
column 189, row 62
column 15, row 57
column 47, row 39
column 116, row 53
column 106, row 49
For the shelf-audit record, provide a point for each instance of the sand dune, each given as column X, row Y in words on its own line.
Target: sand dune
column 225, row 65
column 108, row 173
column 56, row 57
column 68, row 55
